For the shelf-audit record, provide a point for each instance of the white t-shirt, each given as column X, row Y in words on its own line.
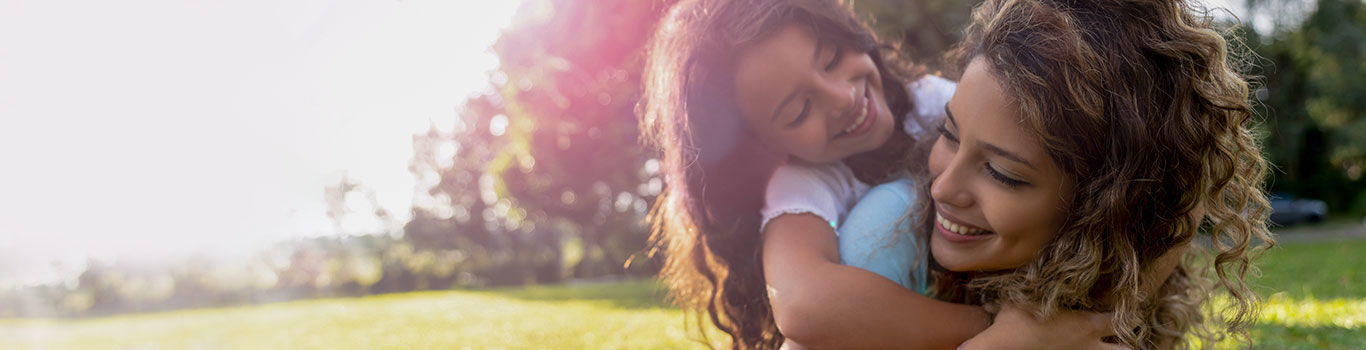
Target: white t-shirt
column 829, row 190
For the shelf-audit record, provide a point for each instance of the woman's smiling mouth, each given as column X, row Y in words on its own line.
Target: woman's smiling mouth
column 959, row 232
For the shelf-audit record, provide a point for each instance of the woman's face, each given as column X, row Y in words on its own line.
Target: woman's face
column 815, row 101
column 998, row 196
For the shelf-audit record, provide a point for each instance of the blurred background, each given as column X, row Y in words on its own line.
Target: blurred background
column 263, row 174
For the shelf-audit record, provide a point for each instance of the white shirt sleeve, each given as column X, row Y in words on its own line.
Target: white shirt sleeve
column 826, row 190
column 931, row 94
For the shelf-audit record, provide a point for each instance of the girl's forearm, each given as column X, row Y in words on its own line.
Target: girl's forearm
column 819, row 303
column 859, row 309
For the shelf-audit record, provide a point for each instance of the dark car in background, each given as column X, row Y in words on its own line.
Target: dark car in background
column 1289, row 210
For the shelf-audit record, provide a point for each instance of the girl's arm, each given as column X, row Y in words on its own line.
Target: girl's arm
column 856, row 309
column 819, row 303
column 1015, row 328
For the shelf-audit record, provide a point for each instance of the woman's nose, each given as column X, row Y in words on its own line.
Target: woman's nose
column 950, row 188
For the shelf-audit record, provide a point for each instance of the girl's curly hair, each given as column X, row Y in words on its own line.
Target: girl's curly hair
column 1142, row 105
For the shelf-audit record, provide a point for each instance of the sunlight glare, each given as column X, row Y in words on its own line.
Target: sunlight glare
column 155, row 129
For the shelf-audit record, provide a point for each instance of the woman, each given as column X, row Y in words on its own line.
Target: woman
column 1083, row 137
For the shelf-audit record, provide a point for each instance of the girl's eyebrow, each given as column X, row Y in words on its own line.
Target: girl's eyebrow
column 990, row 147
column 815, row 60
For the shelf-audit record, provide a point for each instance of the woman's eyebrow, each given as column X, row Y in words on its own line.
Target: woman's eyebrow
column 1005, row 154
column 949, row 113
column 990, row 147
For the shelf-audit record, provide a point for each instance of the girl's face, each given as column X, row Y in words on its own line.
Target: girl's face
column 998, row 196
column 815, row 101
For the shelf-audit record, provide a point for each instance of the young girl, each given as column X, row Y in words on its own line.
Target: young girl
column 785, row 108
column 725, row 123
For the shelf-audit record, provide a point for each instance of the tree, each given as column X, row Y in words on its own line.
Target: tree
column 923, row 29
column 546, row 178
column 1314, row 99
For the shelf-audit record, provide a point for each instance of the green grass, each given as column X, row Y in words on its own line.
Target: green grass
column 628, row 315
column 1321, row 270
column 1315, row 297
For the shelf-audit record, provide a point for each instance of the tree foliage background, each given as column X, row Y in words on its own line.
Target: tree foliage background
column 542, row 179
column 1314, row 100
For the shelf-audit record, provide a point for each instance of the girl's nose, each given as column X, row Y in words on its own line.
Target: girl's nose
column 842, row 94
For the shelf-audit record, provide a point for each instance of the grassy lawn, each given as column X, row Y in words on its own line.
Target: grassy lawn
column 1315, row 292
column 1315, row 296
column 628, row 315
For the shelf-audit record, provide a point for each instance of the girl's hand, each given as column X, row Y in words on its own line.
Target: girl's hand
column 1016, row 329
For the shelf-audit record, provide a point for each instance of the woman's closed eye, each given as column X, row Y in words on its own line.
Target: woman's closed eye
column 1003, row 178
column 944, row 130
column 995, row 174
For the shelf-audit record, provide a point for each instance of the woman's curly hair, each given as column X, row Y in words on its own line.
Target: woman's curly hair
column 1141, row 104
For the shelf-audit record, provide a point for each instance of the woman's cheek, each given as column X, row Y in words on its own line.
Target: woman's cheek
column 1031, row 223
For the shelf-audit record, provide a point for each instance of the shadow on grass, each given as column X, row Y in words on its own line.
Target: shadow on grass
column 634, row 294
column 1275, row 336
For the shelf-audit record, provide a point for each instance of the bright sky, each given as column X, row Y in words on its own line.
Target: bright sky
column 160, row 128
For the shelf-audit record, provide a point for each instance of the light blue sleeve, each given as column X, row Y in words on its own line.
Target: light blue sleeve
column 876, row 236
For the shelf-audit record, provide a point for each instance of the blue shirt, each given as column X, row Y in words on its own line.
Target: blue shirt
column 876, row 236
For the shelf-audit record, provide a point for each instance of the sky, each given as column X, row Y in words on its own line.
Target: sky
column 153, row 129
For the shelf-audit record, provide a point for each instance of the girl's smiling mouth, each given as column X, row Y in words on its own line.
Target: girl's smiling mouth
column 866, row 115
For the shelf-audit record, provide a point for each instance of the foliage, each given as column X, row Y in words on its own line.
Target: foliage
column 923, row 29
column 546, row 181
column 1314, row 103
column 305, row 268
column 542, row 178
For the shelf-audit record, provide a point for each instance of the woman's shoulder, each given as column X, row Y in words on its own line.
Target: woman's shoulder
column 877, row 235
column 900, row 191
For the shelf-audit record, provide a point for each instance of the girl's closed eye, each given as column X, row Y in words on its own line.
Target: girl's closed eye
column 834, row 61
column 806, row 105
column 801, row 115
